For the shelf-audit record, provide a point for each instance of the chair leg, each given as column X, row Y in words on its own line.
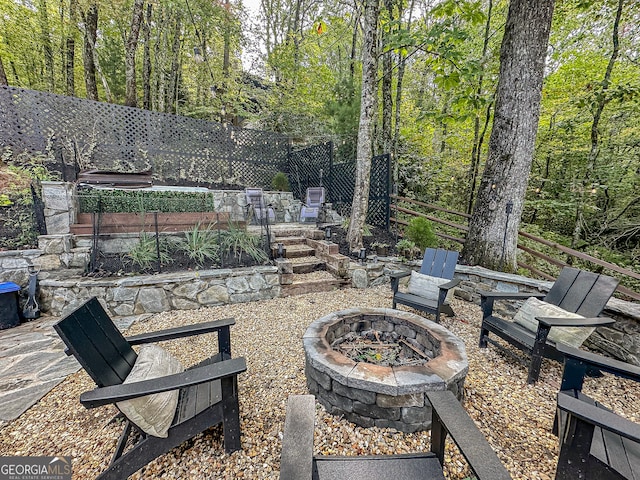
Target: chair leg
column 231, row 415
column 537, row 353
column 484, row 333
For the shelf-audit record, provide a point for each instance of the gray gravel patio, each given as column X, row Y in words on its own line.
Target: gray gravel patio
column 515, row 417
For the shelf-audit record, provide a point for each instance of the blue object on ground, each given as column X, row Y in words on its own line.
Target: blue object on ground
column 9, row 305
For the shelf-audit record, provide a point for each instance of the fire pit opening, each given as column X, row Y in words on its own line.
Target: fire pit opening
column 374, row 365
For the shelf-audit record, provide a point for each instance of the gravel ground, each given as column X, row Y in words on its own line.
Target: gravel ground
column 515, row 417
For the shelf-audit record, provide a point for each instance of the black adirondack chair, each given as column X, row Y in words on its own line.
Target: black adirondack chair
column 595, row 443
column 435, row 263
column 449, row 418
column 208, row 391
column 576, row 291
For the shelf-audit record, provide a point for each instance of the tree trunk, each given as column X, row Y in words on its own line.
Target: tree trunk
column 3, row 75
column 131, row 45
column 478, row 138
column 46, row 44
column 493, row 233
column 70, row 59
column 146, row 62
column 401, row 70
column 601, row 101
column 367, row 116
column 90, row 20
column 387, row 84
column 172, row 94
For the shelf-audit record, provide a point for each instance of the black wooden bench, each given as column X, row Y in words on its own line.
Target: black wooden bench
column 595, row 443
column 208, row 391
column 435, row 263
column 449, row 418
column 577, row 291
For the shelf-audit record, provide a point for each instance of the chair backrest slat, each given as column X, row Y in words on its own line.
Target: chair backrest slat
column 315, row 196
column 97, row 344
column 581, row 292
column 439, row 263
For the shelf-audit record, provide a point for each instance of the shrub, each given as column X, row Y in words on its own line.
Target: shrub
column 238, row 241
column 407, row 249
column 280, row 182
column 200, row 244
column 145, row 253
column 420, row 231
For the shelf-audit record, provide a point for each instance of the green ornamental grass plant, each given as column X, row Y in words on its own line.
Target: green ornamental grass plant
column 200, row 244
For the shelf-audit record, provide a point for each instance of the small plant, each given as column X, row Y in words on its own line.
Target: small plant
column 238, row 241
column 420, row 231
column 200, row 244
column 366, row 229
column 145, row 253
column 280, row 182
column 407, row 249
column 380, row 248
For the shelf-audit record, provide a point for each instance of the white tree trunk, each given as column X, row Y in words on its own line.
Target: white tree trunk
column 367, row 115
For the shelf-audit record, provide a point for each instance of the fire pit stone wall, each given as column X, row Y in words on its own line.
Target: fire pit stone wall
column 374, row 395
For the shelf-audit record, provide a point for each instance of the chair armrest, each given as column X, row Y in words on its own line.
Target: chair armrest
column 575, row 322
column 400, row 274
column 510, row 296
column 180, row 332
column 487, row 299
column 206, row 373
column 450, row 418
column 296, row 459
column 605, row 364
column 449, row 285
column 599, row 417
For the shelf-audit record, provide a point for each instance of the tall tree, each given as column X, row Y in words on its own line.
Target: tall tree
column 70, row 44
column 600, row 100
column 146, row 61
column 47, row 48
column 365, row 130
column 131, row 45
column 90, row 21
column 3, row 75
column 493, row 233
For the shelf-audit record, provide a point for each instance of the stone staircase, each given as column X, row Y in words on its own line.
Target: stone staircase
column 310, row 263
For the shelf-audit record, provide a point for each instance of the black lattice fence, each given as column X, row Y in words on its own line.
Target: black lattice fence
column 308, row 166
column 311, row 167
column 82, row 134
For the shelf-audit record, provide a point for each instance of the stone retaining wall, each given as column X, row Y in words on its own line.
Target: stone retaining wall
column 621, row 340
column 162, row 292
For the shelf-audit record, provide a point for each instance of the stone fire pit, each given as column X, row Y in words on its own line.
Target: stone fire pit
column 368, row 394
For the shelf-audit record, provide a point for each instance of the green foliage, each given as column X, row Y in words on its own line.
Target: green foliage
column 145, row 253
column 238, row 241
column 135, row 201
column 280, row 182
column 420, row 231
column 407, row 249
column 200, row 244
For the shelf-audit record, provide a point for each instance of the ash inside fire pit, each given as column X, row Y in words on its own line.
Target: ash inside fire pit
column 388, row 349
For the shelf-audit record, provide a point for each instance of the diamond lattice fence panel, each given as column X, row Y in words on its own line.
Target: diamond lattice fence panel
column 178, row 150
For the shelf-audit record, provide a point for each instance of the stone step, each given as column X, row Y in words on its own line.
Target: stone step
column 307, row 264
column 297, row 251
column 311, row 283
column 290, row 240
